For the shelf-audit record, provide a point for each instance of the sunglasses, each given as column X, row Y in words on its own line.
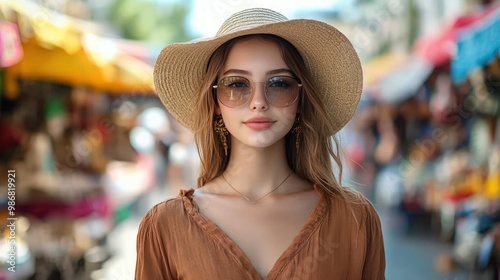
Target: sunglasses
column 235, row 91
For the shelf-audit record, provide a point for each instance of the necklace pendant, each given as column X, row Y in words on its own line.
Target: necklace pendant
column 248, row 199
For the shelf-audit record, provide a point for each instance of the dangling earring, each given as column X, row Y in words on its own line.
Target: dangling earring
column 221, row 130
column 297, row 129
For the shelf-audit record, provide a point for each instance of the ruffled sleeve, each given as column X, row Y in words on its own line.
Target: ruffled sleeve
column 152, row 261
column 374, row 267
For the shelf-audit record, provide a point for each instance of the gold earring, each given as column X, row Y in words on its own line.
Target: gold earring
column 221, row 130
column 297, row 129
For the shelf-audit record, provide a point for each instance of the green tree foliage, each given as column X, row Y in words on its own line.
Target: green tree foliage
column 413, row 23
column 158, row 22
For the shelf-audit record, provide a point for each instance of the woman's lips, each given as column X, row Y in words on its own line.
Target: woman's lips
column 259, row 123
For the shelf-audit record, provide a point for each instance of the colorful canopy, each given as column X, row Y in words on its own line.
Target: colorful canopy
column 441, row 47
column 59, row 49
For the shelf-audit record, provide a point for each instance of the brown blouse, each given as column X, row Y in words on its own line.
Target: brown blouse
column 340, row 240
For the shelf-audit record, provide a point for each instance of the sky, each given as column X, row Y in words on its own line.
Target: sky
column 208, row 15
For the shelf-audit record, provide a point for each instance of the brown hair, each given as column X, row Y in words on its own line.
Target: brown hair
column 313, row 160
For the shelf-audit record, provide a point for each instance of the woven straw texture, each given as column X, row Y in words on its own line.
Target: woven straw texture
column 328, row 54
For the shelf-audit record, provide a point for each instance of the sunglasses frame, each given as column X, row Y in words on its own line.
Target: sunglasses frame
column 216, row 87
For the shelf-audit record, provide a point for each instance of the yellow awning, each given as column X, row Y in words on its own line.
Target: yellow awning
column 123, row 74
column 60, row 52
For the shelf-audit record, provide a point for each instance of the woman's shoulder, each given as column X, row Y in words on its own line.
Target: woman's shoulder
column 354, row 203
column 167, row 213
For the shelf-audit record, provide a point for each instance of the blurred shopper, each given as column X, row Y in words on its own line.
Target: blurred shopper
column 13, row 138
column 270, row 94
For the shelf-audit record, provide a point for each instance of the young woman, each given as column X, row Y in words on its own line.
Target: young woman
column 263, row 98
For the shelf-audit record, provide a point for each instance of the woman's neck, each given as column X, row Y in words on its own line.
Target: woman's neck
column 255, row 172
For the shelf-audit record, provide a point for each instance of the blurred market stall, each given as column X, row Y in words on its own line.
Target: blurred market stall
column 69, row 99
column 431, row 130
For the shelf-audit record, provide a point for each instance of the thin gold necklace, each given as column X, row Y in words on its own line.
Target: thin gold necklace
column 255, row 201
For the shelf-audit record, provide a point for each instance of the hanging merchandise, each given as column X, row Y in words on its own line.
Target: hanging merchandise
column 11, row 51
column 481, row 100
column 492, row 182
column 442, row 100
column 479, row 142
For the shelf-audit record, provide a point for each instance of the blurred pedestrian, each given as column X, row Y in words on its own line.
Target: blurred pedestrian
column 263, row 98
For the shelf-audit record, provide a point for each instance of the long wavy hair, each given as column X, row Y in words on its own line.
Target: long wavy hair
column 313, row 162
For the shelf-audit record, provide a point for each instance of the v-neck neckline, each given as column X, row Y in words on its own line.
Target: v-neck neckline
column 211, row 228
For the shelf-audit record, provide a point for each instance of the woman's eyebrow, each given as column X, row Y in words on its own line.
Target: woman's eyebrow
column 245, row 72
column 236, row 71
column 279, row 71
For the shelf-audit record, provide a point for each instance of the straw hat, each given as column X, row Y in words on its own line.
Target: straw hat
column 328, row 54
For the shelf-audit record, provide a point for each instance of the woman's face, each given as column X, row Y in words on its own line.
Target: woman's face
column 257, row 123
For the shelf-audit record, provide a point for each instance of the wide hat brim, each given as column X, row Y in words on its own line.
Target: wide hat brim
column 327, row 53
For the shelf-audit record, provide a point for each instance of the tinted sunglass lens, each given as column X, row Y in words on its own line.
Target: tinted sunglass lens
column 282, row 91
column 234, row 91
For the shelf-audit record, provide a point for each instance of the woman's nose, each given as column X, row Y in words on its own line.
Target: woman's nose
column 258, row 100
